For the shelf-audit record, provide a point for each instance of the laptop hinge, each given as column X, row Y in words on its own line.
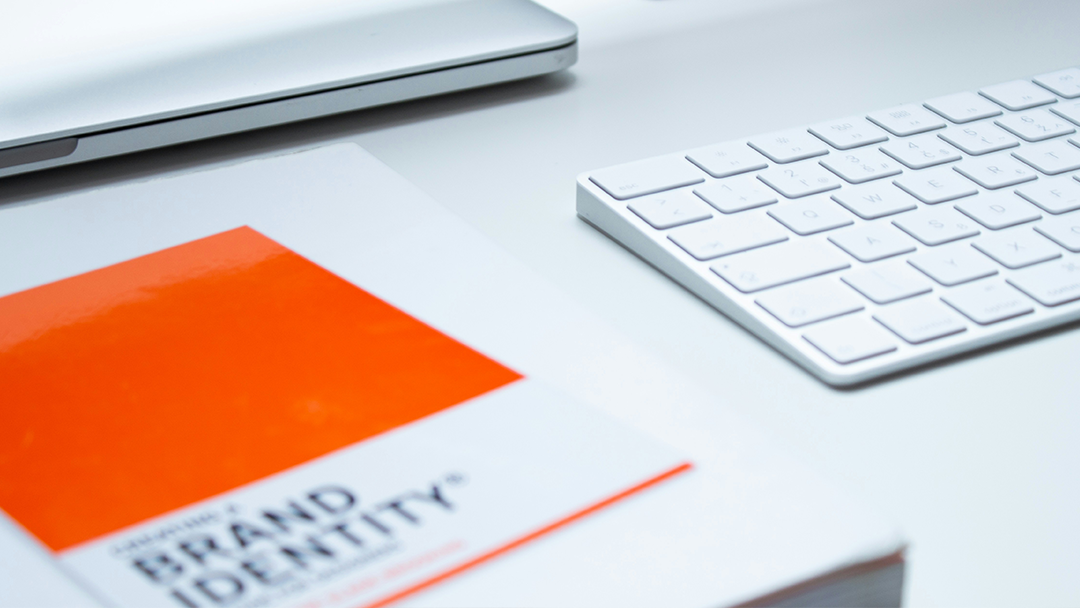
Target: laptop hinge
column 32, row 153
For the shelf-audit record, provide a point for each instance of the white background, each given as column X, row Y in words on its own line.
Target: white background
column 975, row 458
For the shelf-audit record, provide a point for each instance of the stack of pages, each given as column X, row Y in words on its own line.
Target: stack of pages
column 298, row 381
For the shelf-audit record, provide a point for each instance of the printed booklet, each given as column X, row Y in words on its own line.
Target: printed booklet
column 293, row 382
column 225, row 423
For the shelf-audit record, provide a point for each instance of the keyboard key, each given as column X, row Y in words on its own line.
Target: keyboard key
column 1018, row 94
column 1051, row 284
column 763, row 268
column 646, row 177
column 1017, row 248
column 1064, row 231
column 804, row 179
column 920, row 320
column 1063, row 82
column 811, row 216
column 724, row 236
column 988, row 302
column 1051, row 157
column 888, row 282
column 1056, row 195
column 963, row 107
column 1035, row 125
column 725, row 160
column 953, row 265
column 849, row 133
column 850, row 339
column 996, row 171
column 921, row 152
column 1069, row 110
column 979, row 138
column 809, row 302
column 936, row 185
column 736, row 194
column 998, row 210
column 906, row 120
column 936, row 226
column 789, row 146
column 872, row 242
column 876, row 200
column 670, row 209
column 862, row 165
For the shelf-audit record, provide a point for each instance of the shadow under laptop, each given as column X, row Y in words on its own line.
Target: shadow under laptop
column 27, row 188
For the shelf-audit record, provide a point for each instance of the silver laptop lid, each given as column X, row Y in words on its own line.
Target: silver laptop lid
column 374, row 42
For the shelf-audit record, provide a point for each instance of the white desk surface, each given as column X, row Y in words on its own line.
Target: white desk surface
column 974, row 458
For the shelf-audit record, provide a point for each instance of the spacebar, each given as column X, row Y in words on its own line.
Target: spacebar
column 771, row 266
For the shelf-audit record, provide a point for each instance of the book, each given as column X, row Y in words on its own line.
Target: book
column 298, row 381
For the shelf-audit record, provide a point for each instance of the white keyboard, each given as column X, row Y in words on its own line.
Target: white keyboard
column 871, row 244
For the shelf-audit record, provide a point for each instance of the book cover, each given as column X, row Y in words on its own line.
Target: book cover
column 224, row 422
column 176, row 353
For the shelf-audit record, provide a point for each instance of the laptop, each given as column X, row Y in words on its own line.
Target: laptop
column 374, row 53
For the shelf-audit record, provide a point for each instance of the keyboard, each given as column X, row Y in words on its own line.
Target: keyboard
column 871, row 244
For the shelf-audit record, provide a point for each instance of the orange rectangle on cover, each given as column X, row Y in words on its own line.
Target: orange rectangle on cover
column 145, row 386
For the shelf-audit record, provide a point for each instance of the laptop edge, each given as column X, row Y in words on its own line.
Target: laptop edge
column 530, row 41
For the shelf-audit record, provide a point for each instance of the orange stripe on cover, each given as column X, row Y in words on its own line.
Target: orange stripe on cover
column 530, row 537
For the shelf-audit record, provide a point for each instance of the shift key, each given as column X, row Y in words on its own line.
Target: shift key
column 779, row 264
